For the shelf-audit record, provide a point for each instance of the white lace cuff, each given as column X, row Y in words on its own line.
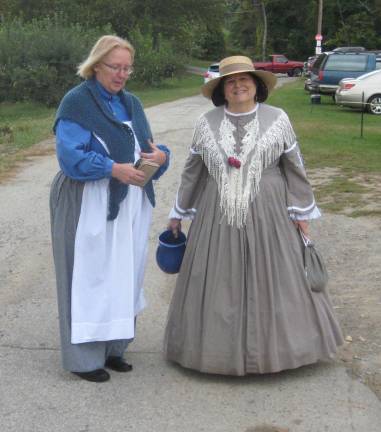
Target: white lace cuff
column 313, row 214
column 178, row 213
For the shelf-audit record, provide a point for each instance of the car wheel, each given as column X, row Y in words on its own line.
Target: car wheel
column 290, row 73
column 374, row 106
column 296, row 72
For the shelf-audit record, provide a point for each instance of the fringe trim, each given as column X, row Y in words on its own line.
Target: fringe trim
column 236, row 189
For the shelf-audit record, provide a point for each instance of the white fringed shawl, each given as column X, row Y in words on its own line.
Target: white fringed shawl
column 259, row 148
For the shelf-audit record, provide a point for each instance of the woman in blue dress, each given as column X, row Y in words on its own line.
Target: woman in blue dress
column 100, row 216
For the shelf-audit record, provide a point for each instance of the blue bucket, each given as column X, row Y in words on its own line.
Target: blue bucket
column 170, row 252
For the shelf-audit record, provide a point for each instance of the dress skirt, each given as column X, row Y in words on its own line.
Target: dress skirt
column 242, row 303
column 99, row 269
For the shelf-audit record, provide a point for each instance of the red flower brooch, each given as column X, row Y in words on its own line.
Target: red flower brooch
column 233, row 162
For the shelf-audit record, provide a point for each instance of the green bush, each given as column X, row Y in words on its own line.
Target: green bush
column 153, row 65
column 39, row 59
column 213, row 44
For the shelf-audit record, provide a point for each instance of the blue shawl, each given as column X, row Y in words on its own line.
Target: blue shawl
column 84, row 105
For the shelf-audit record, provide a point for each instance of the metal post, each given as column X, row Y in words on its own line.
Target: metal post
column 320, row 17
column 362, row 115
column 319, row 26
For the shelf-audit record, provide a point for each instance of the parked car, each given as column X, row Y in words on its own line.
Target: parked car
column 280, row 64
column 351, row 90
column 331, row 67
column 349, row 49
column 308, row 65
column 212, row 72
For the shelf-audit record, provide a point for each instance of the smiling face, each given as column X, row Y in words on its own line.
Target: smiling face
column 240, row 91
column 114, row 69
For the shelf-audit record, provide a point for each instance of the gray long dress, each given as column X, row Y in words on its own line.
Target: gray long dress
column 242, row 303
column 65, row 208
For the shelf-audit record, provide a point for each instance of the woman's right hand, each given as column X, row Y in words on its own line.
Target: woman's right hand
column 175, row 226
column 127, row 173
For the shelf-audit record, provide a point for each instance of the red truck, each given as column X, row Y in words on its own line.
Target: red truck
column 280, row 64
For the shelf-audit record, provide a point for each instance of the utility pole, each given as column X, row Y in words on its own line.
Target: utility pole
column 319, row 36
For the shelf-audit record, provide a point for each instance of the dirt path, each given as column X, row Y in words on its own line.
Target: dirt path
column 352, row 248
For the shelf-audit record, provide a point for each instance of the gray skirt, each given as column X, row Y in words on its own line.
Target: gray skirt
column 242, row 303
column 65, row 209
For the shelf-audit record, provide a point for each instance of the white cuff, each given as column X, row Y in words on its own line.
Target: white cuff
column 314, row 214
column 189, row 215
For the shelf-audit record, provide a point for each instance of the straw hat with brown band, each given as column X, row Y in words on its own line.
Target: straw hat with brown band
column 238, row 64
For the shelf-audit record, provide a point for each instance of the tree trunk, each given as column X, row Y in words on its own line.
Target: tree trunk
column 155, row 40
column 260, row 4
column 264, row 38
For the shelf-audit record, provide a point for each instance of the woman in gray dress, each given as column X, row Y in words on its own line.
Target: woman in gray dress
column 242, row 302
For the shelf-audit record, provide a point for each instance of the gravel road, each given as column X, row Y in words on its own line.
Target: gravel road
column 37, row 395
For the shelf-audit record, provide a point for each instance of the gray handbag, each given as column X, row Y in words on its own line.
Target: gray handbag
column 314, row 266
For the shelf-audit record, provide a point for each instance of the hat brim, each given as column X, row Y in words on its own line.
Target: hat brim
column 268, row 78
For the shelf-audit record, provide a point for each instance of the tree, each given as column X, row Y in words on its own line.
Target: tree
column 352, row 22
column 244, row 27
column 172, row 16
column 261, row 5
column 165, row 19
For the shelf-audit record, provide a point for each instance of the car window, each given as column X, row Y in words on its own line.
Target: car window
column 280, row 59
column 319, row 61
column 214, row 68
column 378, row 64
column 353, row 63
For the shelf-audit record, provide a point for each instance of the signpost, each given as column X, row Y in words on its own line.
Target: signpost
column 318, row 39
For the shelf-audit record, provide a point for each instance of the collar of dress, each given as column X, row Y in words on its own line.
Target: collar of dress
column 260, row 147
column 242, row 114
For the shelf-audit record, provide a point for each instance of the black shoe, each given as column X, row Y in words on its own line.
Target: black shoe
column 118, row 364
column 98, row 375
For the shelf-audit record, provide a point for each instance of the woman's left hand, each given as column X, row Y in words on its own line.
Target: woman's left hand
column 302, row 225
column 156, row 155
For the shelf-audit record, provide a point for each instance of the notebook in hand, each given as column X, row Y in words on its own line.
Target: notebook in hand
column 148, row 167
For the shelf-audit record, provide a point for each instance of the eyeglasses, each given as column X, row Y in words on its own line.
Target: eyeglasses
column 237, row 80
column 128, row 70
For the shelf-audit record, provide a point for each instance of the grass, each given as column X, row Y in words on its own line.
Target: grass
column 21, row 125
column 340, row 193
column 202, row 63
column 187, row 85
column 330, row 138
column 330, row 135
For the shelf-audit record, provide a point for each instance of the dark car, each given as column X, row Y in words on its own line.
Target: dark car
column 331, row 67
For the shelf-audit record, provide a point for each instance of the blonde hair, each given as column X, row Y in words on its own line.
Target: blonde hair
column 102, row 47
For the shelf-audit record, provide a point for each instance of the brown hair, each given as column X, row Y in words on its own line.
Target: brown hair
column 218, row 95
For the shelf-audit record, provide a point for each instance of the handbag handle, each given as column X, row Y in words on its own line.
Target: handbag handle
column 306, row 240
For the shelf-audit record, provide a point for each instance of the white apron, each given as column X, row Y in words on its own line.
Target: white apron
column 109, row 263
